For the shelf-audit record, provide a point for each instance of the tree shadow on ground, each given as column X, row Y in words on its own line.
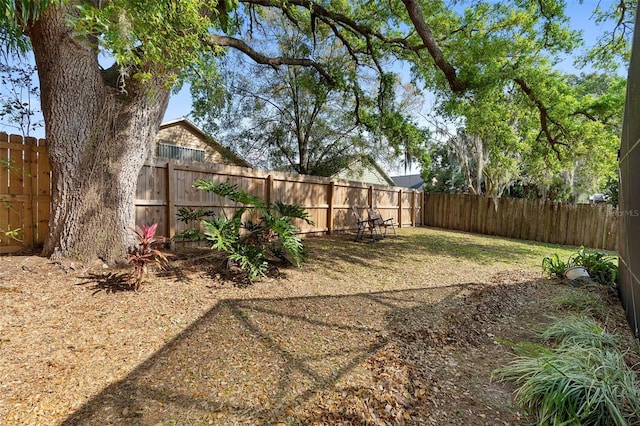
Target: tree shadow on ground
column 109, row 282
column 264, row 361
column 174, row 273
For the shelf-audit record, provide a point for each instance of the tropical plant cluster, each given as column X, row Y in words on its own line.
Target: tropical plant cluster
column 254, row 235
column 602, row 267
column 582, row 379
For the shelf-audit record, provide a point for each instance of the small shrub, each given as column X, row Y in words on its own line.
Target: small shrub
column 144, row 253
column 192, row 218
column 602, row 267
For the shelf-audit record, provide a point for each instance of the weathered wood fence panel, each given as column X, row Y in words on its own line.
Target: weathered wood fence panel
column 589, row 225
column 25, row 192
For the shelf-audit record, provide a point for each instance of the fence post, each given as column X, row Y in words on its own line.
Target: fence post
column 268, row 196
column 170, row 201
column 29, row 225
column 370, row 197
column 330, row 191
column 423, row 208
column 400, row 208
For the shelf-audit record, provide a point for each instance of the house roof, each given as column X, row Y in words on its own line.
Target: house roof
column 208, row 139
column 409, row 181
column 374, row 164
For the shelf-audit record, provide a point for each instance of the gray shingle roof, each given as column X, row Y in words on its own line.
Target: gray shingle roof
column 408, row 181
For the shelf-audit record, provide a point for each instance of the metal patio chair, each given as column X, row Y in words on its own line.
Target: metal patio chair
column 365, row 225
column 380, row 223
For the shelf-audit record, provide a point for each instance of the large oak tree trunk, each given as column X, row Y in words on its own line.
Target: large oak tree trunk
column 99, row 135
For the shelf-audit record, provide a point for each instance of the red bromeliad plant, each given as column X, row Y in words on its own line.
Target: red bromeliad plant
column 144, row 253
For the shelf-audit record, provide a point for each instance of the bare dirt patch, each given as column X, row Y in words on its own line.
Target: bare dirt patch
column 403, row 331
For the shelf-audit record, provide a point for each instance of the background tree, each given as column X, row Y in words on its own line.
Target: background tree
column 286, row 117
column 441, row 171
column 523, row 120
column 296, row 119
column 19, row 94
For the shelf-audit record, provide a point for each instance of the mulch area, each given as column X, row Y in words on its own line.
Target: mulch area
column 351, row 338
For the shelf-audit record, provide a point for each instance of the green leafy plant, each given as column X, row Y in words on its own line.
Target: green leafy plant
column 252, row 244
column 192, row 218
column 553, row 266
column 584, row 380
column 144, row 253
column 601, row 266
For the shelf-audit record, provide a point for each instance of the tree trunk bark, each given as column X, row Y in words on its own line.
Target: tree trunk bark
column 98, row 139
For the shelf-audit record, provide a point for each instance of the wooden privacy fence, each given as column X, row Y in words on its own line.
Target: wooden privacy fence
column 25, row 192
column 589, row 225
column 164, row 187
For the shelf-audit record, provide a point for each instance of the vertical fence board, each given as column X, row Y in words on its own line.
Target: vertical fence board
column 29, row 216
column 4, row 190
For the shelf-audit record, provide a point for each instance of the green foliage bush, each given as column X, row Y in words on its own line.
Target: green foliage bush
column 251, row 245
column 553, row 266
column 192, row 217
column 601, row 266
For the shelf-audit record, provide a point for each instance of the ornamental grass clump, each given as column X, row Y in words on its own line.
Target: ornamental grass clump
column 584, row 380
column 578, row 331
column 585, row 303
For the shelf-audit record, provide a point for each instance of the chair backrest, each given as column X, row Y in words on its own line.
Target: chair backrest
column 375, row 216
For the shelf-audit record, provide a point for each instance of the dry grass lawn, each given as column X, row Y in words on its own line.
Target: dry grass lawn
column 402, row 331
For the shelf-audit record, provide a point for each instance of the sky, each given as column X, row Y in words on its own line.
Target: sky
column 579, row 13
